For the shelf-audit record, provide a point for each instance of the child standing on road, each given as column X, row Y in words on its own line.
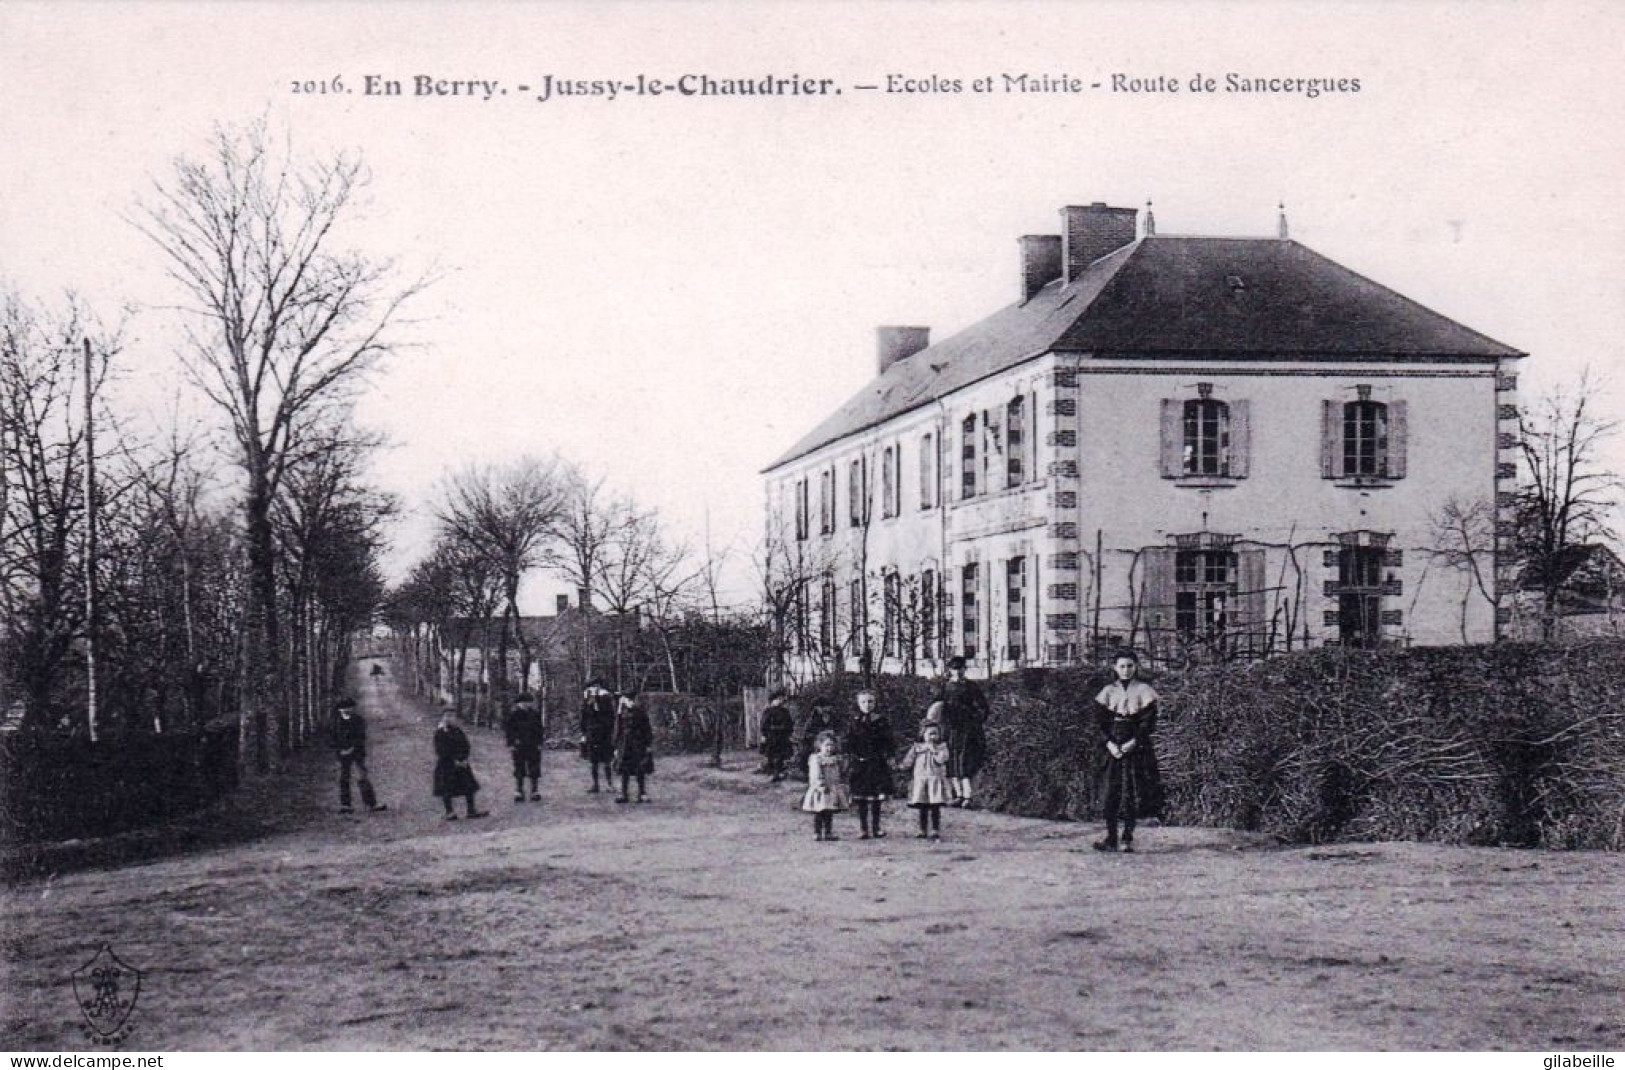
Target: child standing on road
column 826, row 787
column 869, row 744
column 928, row 792
column 453, row 776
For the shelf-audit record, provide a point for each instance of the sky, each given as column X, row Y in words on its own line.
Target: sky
column 670, row 290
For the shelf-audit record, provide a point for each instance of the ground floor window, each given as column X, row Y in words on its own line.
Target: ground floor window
column 1204, row 594
column 1015, row 625
column 968, row 609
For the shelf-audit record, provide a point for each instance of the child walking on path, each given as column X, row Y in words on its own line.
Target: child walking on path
column 929, row 791
column 826, row 787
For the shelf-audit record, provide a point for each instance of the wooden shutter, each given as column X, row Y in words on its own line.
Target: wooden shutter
column 1398, row 433
column 1157, row 606
column 1241, row 438
column 1251, row 600
column 1331, row 440
column 1173, row 433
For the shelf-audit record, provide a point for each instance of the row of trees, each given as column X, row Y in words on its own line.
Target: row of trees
column 189, row 586
column 647, row 614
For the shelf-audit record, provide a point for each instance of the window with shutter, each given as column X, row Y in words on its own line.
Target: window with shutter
column 1171, row 438
column 1015, row 430
column 1015, row 625
column 1398, row 438
column 1331, row 440
column 967, row 457
column 1157, row 605
column 1241, row 438
column 968, row 611
column 928, row 472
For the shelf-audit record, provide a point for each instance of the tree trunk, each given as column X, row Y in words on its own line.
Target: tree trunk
column 261, row 638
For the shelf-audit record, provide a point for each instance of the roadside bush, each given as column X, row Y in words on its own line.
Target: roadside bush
column 1517, row 744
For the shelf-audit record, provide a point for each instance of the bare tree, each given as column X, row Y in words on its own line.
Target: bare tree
column 43, row 449
column 1569, row 491
column 1464, row 540
column 509, row 513
column 281, row 322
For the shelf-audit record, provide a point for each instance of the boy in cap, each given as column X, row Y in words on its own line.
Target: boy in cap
column 523, row 730
column 350, row 740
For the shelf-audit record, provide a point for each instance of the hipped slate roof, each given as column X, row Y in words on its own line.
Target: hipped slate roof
column 1169, row 295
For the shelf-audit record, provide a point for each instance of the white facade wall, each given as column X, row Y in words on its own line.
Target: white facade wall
column 1093, row 475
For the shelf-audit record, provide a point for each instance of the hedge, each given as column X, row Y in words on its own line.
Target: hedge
column 1514, row 744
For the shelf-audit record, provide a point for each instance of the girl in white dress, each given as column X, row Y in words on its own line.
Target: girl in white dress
column 929, row 792
column 826, row 787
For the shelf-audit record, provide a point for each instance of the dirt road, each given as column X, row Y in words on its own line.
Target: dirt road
column 711, row 919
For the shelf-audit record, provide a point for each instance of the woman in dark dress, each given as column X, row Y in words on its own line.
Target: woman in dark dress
column 452, row 775
column 634, row 747
column 870, row 749
column 964, row 715
column 1126, row 775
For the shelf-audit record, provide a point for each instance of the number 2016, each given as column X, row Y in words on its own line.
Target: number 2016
column 334, row 84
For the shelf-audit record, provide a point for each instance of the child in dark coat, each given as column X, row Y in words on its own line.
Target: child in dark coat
column 869, row 750
column 523, row 731
column 453, row 776
column 634, row 747
column 778, row 726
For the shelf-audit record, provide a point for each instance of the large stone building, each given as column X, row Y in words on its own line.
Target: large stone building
column 1199, row 446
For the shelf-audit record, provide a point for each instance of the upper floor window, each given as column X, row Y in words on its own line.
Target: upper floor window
column 1015, row 441
column 1206, row 450
column 826, row 501
column 891, row 480
column 1363, row 439
column 928, row 472
column 858, row 492
column 967, row 457
column 1205, row 438
column 802, row 514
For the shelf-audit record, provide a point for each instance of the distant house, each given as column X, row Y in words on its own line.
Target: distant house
column 565, row 649
column 1200, row 446
column 1590, row 594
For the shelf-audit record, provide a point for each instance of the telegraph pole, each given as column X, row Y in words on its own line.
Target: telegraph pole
column 90, row 546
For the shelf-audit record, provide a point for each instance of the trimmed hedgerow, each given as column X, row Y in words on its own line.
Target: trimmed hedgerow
column 1520, row 744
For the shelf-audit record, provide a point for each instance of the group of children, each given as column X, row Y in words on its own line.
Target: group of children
column 863, row 774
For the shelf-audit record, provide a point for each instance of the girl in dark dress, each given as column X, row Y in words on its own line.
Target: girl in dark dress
column 634, row 747
column 1126, row 774
column 869, row 753
column 452, row 775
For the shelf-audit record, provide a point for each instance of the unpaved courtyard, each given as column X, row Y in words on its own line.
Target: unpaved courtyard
column 711, row 919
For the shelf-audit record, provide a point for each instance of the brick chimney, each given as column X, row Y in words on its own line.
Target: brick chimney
column 1089, row 233
column 899, row 343
column 1040, row 262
